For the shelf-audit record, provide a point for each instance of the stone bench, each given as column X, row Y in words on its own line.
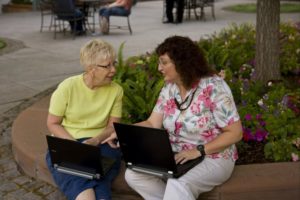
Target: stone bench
column 272, row 181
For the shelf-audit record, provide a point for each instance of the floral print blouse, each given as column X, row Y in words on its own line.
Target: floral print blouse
column 210, row 107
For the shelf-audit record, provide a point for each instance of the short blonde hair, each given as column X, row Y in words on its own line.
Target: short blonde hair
column 95, row 50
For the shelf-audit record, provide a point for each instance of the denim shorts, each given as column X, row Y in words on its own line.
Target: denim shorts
column 72, row 185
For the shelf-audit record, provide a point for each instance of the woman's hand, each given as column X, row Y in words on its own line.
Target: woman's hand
column 111, row 140
column 92, row 141
column 186, row 155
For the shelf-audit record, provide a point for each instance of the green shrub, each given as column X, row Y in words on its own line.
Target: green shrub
column 235, row 46
column 290, row 48
column 141, row 82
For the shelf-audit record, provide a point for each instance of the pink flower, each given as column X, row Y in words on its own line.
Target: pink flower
column 178, row 126
column 159, row 100
column 195, row 108
column 173, row 139
column 248, row 117
column 187, row 146
column 206, row 92
column 169, row 109
column 205, row 97
column 214, row 155
column 235, row 155
column 202, row 121
column 295, row 157
column 260, row 135
column 231, row 121
column 208, row 135
column 258, row 117
column 247, row 135
column 211, row 106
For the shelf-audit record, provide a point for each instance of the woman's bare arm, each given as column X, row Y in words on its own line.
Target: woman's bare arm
column 55, row 127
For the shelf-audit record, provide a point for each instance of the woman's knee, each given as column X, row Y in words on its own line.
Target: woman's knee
column 132, row 177
column 86, row 194
column 129, row 176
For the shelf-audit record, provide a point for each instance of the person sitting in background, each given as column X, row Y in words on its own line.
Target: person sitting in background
column 119, row 8
column 67, row 10
column 79, row 27
column 83, row 108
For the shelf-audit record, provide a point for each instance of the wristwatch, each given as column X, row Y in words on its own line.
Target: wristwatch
column 201, row 149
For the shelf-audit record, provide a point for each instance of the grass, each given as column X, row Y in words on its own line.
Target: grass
column 251, row 8
column 2, row 44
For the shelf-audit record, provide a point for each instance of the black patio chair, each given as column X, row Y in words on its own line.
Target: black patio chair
column 46, row 10
column 128, row 27
column 65, row 10
column 201, row 5
column 207, row 3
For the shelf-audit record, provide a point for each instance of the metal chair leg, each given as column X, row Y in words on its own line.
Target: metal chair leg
column 42, row 22
column 213, row 11
column 51, row 22
column 129, row 27
column 55, row 28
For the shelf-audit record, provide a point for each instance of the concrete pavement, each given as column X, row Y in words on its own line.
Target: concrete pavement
column 44, row 62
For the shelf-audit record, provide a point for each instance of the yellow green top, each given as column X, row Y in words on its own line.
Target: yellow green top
column 85, row 112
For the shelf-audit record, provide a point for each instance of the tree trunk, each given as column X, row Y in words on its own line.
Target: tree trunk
column 267, row 40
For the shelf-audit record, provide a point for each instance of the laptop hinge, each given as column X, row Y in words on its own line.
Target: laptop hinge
column 76, row 172
column 147, row 171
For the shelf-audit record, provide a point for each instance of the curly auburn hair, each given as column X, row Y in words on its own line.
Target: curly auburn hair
column 188, row 58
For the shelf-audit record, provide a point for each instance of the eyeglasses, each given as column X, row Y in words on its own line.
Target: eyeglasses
column 109, row 66
column 179, row 105
column 163, row 62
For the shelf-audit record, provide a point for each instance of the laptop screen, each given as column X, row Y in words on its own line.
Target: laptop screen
column 145, row 146
column 75, row 156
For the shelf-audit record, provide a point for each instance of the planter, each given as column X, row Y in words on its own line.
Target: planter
column 268, row 181
column 16, row 8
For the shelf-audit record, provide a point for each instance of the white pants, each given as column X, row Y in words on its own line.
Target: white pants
column 202, row 178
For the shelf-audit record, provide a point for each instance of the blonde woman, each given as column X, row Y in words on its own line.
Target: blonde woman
column 83, row 108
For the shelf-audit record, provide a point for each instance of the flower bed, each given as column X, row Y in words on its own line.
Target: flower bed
column 269, row 113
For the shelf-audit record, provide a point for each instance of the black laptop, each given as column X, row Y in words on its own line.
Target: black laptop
column 78, row 159
column 149, row 150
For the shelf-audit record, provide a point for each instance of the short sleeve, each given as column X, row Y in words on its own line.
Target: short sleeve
column 224, row 110
column 161, row 100
column 117, row 106
column 59, row 100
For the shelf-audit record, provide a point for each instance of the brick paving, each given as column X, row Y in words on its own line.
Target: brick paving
column 15, row 185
